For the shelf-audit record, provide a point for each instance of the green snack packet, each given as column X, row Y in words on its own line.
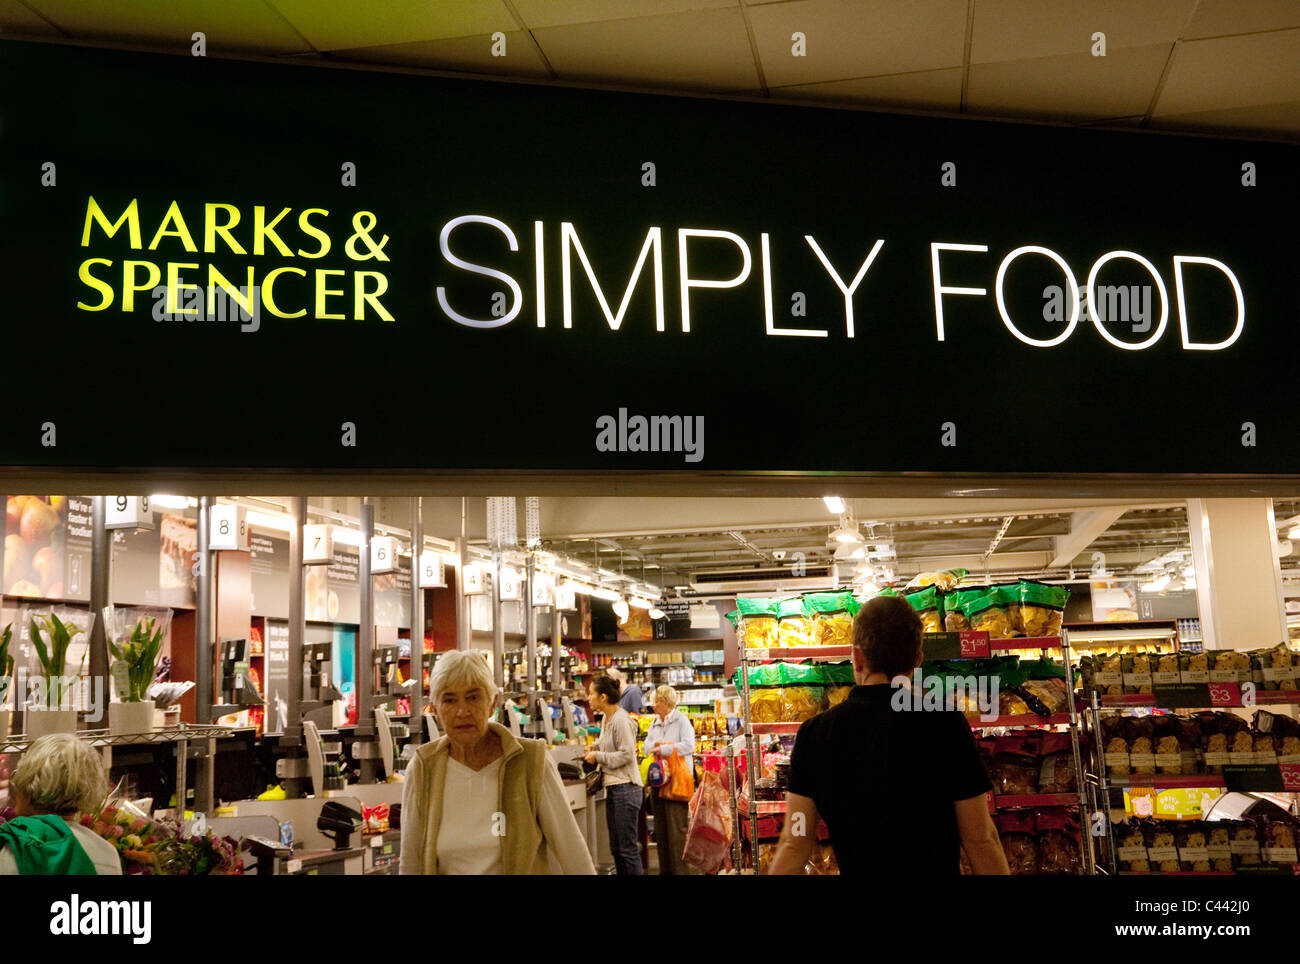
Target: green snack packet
column 926, row 604
column 757, row 607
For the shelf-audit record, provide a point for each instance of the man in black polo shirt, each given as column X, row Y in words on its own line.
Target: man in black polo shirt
column 899, row 789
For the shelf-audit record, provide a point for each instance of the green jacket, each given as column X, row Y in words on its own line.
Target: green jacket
column 45, row 845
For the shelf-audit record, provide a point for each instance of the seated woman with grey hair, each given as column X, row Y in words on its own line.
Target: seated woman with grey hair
column 479, row 800
column 58, row 777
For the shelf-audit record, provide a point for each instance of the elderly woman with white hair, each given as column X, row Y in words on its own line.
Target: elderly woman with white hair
column 670, row 730
column 57, row 778
column 479, row 800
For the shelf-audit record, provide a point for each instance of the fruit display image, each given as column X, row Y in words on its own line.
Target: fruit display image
column 35, row 544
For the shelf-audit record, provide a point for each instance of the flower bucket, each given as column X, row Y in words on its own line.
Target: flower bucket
column 41, row 722
column 126, row 718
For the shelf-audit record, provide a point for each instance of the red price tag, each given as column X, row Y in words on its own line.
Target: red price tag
column 1225, row 694
column 974, row 644
column 1290, row 776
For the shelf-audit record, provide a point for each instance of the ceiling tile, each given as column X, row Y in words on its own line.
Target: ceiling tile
column 230, row 25
column 1025, row 29
column 17, row 21
column 470, row 54
column 848, row 38
column 1219, row 18
column 1260, row 68
column 706, row 49
column 1262, row 119
column 555, row 13
column 345, row 24
column 921, row 90
column 1071, row 87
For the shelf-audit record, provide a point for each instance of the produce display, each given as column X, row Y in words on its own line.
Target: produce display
column 1149, row 846
column 1201, row 743
column 35, row 545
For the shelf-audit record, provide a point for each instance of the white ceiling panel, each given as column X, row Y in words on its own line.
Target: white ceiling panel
column 467, row 54
column 1073, row 87
column 1260, row 120
column 230, row 25
column 846, row 39
column 557, row 13
column 1227, row 72
column 1219, row 18
column 704, row 49
column 344, row 24
column 1017, row 30
column 922, row 90
column 21, row 22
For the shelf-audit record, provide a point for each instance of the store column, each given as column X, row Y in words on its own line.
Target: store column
column 1238, row 579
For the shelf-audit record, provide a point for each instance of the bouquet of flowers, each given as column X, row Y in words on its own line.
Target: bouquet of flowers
column 148, row 846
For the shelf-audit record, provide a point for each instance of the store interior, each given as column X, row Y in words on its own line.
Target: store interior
column 1146, row 654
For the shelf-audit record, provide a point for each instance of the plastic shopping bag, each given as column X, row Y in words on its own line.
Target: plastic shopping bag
column 708, row 838
column 681, row 782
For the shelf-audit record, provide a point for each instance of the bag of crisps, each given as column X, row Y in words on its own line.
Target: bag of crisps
column 756, row 623
column 926, row 604
column 831, row 615
column 987, row 613
column 1040, row 608
column 792, row 627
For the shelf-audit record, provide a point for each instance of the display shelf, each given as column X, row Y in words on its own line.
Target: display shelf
column 1013, row 801
column 1261, row 698
column 776, row 727
column 1025, row 642
column 796, row 652
column 1019, row 719
column 102, row 738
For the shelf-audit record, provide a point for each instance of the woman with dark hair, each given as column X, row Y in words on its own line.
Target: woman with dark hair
column 615, row 754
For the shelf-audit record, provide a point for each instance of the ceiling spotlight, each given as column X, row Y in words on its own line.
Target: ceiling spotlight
column 846, row 532
column 621, row 610
column 1293, row 532
column 834, row 503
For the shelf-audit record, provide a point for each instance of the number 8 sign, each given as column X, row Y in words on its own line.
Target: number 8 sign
column 227, row 528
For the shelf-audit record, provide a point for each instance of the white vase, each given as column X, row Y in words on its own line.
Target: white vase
column 43, row 722
column 124, row 718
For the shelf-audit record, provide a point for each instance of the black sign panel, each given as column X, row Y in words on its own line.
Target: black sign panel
column 1020, row 297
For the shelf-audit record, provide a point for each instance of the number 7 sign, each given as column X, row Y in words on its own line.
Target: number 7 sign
column 317, row 545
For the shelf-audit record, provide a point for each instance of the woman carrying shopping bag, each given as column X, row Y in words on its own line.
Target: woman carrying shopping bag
column 671, row 742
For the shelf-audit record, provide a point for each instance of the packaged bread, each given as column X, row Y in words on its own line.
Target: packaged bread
column 793, row 628
column 1137, row 672
column 1277, row 668
column 925, row 602
column 1040, row 608
column 1245, row 843
column 1218, row 846
column 1015, row 765
column 1056, row 772
column 1193, row 667
column 1019, row 840
column 1229, row 666
column 1114, row 743
column 1109, row 674
column 1058, row 842
column 1162, row 848
column 1166, row 671
column 1131, row 848
column 1192, row 840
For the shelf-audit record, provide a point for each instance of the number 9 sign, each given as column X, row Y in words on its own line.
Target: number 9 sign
column 128, row 512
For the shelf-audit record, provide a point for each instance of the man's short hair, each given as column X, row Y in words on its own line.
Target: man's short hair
column 888, row 631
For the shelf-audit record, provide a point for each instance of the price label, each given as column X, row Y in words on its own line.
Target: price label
column 317, row 545
column 128, row 512
column 293, row 866
column 756, row 655
column 974, row 645
column 376, row 842
column 432, row 574
column 1225, row 694
column 383, row 555
column 227, row 528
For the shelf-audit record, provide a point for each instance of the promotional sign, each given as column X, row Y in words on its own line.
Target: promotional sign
column 727, row 285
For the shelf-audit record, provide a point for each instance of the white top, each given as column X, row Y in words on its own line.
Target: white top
column 467, row 843
column 101, row 853
column 469, row 839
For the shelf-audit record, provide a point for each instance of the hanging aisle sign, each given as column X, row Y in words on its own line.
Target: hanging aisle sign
column 709, row 285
